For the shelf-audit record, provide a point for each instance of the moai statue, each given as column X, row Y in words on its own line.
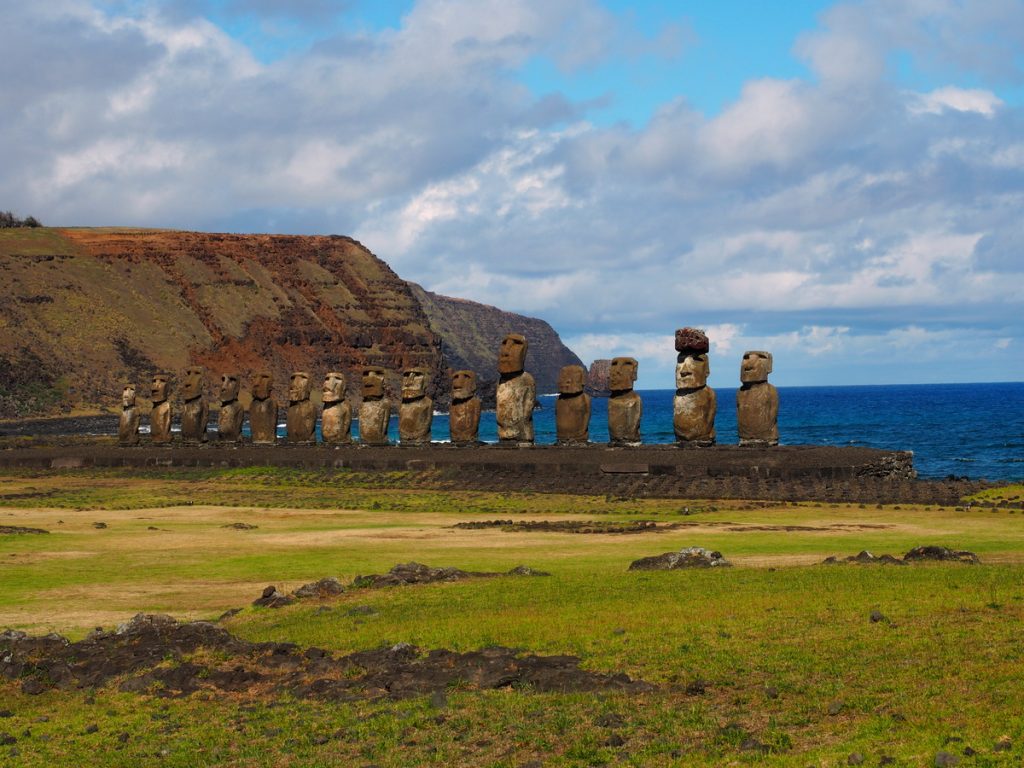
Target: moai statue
column 231, row 414
column 517, row 392
column 572, row 409
column 416, row 413
column 624, row 405
column 160, row 416
column 464, row 412
column 695, row 404
column 195, row 411
column 263, row 409
column 336, row 421
column 128, row 423
column 375, row 410
column 757, row 401
column 301, row 418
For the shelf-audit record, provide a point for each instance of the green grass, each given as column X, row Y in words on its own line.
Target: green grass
column 777, row 640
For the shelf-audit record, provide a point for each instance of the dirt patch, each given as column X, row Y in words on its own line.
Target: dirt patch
column 16, row 530
column 156, row 654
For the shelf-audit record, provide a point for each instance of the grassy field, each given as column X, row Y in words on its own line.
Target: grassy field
column 772, row 662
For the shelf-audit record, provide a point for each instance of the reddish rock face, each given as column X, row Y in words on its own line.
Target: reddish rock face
column 692, row 340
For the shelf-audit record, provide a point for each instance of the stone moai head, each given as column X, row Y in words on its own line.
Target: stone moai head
column 571, row 379
column 158, row 388
column 334, row 387
column 622, row 374
column 299, row 387
column 128, row 396
column 192, row 384
column 755, row 366
column 512, row 355
column 228, row 388
column 262, row 384
column 414, row 383
column 373, row 383
column 692, row 371
column 463, row 385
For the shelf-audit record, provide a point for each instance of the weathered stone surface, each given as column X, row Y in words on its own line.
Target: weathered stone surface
column 263, row 409
column 572, row 409
column 692, row 341
column 301, row 420
column 231, row 414
column 375, row 410
column 625, row 407
column 933, row 552
column 195, row 412
column 416, row 413
column 757, row 401
column 695, row 403
column 160, row 415
column 128, row 422
column 598, row 376
column 517, row 392
column 464, row 412
column 336, row 419
column 329, row 587
column 688, row 557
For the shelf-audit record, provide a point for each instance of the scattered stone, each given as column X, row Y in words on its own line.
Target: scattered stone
column 688, row 557
column 1003, row 744
column 438, row 700
column 941, row 554
column 946, row 760
column 771, row 692
column 329, row 587
column 6, row 739
column 569, row 526
column 615, row 740
column 877, row 616
column 152, row 650
column 610, row 720
column 123, row 737
column 362, row 610
column 99, row 525
column 228, row 614
column 835, row 708
column 886, row 760
column 6, row 713
column 525, row 570
column 855, row 758
column 697, row 687
column 17, row 530
column 970, row 752
column 417, row 573
column 271, row 598
column 93, row 728
column 241, row 526
column 864, row 558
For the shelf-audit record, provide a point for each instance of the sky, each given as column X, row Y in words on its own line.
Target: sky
column 839, row 183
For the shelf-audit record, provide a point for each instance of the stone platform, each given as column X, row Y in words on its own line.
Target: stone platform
column 783, row 473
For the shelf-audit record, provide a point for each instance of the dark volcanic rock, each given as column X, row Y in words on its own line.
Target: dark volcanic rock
column 864, row 558
column 918, row 554
column 415, row 573
column 16, row 530
column 271, row 598
column 151, row 650
column 689, row 557
column 328, row 587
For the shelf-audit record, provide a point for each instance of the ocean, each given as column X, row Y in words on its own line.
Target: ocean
column 965, row 430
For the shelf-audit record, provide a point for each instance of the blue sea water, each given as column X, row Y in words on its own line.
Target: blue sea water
column 972, row 430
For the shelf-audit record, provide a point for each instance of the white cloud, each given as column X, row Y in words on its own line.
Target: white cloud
column 957, row 99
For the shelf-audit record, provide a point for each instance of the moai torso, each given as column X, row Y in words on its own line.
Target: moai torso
column 301, row 418
column 415, row 419
column 572, row 409
column 160, row 415
column 128, row 423
column 375, row 410
column 624, row 412
column 263, row 410
column 336, row 418
column 514, row 412
column 336, row 423
column 195, row 413
column 757, row 401
column 231, row 413
column 694, row 416
column 374, row 416
column 517, row 392
column 624, row 405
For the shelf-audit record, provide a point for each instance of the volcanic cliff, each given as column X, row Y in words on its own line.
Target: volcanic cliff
column 85, row 310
